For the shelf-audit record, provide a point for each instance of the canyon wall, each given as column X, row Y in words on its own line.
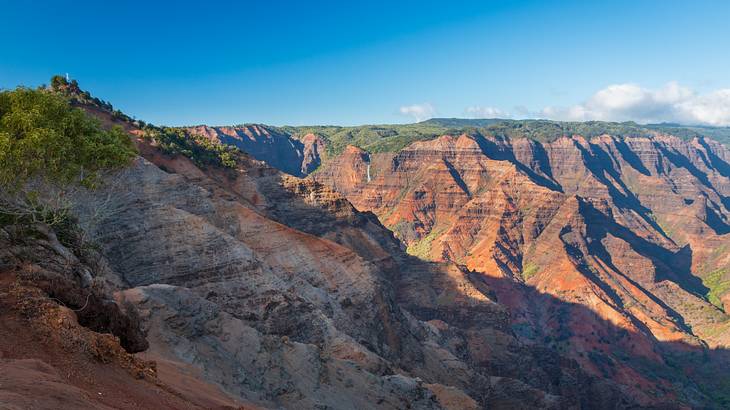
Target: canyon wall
column 629, row 236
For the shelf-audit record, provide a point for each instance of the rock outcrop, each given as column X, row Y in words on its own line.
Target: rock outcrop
column 271, row 291
column 628, row 236
column 66, row 342
column 295, row 156
column 279, row 291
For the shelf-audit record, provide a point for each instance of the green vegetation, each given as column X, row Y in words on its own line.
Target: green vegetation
column 173, row 141
column 201, row 150
column 47, row 146
column 392, row 138
column 43, row 137
column 76, row 96
column 547, row 130
column 718, row 285
column 373, row 138
column 529, row 270
column 716, row 276
column 422, row 248
column 719, row 134
column 462, row 122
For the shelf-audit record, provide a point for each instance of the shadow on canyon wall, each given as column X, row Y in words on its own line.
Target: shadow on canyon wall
column 561, row 335
column 528, row 335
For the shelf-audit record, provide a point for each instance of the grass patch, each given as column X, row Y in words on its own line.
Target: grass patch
column 529, row 270
column 201, row 150
column 422, row 248
column 718, row 285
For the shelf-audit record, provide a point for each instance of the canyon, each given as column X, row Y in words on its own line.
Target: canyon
column 456, row 271
column 637, row 228
column 611, row 249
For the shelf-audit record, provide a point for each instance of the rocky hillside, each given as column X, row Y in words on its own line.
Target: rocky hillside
column 280, row 292
column 301, row 150
column 457, row 273
column 618, row 303
column 295, row 156
column 192, row 283
column 630, row 234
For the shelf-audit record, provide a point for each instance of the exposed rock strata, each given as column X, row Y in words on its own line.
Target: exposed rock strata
column 559, row 275
column 295, row 156
column 280, row 292
column 631, row 232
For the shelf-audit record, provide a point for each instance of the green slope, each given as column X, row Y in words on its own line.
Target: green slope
column 392, row 138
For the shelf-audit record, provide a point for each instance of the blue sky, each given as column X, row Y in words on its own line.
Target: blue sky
column 322, row 62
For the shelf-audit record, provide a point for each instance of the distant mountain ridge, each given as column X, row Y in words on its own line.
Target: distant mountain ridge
column 631, row 220
column 588, row 128
column 300, row 150
column 295, row 156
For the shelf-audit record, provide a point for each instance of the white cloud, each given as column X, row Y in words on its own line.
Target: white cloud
column 631, row 102
column 419, row 112
column 712, row 108
column 477, row 111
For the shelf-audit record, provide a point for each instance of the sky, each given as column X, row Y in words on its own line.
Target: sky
column 348, row 63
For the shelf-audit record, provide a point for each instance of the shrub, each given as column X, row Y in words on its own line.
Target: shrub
column 42, row 136
column 201, row 150
column 529, row 270
column 46, row 146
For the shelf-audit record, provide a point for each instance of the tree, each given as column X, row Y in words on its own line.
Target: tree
column 42, row 136
column 46, row 146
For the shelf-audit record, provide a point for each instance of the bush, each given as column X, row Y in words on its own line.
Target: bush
column 201, row 150
column 47, row 146
column 43, row 137
column 58, row 81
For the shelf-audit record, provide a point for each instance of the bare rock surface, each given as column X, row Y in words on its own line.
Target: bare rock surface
column 628, row 236
column 295, row 156
column 461, row 272
column 280, row 292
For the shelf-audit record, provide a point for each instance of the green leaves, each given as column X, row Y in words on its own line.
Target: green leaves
column 42, row 136
column 392, row 138
column 201, row 150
